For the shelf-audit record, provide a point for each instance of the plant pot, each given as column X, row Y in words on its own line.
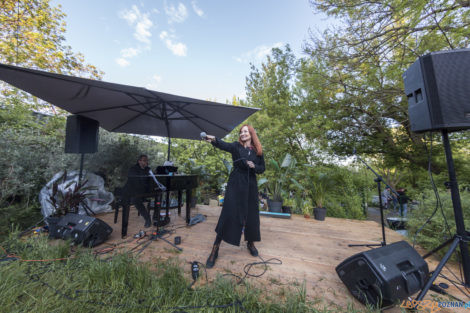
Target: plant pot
column 306, row 215
column 275, row 206
column 319, row 213
column 397, row 223
column 286, row 209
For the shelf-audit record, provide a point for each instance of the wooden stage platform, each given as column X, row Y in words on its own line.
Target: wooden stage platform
column 309, row 250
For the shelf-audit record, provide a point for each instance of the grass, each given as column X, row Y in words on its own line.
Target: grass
column 83, row 282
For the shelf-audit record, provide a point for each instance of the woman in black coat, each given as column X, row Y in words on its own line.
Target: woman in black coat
column 240, row 212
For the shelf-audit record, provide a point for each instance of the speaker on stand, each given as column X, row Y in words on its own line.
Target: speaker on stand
column 436, row 86
column 81, row 136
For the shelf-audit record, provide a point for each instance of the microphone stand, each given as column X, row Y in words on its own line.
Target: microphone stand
column 378, row 180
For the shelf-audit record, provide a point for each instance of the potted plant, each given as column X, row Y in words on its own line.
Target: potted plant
column 278, row 183
column 320, row 185
column 71, row 197
column 316, row 183
column 306, row 211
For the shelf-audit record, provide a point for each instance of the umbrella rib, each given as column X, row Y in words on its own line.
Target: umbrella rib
column 190, row 118
column 171, row 104
column 84, row 91
column 131, row 119
column 127, row 106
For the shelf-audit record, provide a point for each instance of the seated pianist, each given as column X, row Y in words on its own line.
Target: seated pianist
column 138, row 183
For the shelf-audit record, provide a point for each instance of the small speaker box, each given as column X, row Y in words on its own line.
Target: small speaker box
column 384, row 276
column 83, row 229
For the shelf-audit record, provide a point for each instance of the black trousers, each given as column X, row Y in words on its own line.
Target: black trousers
column 139, row 204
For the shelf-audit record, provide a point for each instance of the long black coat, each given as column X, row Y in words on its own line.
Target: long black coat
column 241, row 203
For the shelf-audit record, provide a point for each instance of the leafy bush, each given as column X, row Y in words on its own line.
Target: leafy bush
column 340, row 189
column 32, row 152
column 436, row 232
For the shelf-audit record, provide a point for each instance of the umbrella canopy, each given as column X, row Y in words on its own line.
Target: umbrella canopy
column 128, row 109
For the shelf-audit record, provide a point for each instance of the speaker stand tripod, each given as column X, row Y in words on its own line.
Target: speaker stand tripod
column 461, row 238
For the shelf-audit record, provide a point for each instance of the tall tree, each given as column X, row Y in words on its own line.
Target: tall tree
column 353, row 79
column 32, row 35
column 272, row 89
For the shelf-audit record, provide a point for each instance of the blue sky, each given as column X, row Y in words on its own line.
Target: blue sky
column 200, row 49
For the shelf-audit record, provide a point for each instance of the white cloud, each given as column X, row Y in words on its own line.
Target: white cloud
column 122, row 62
column 176, row 14
column 196, row 9
column 178, row 48
column 257, row 54
column 154, row 82
column 140, row 22
column 129, row 52
column 126, row 54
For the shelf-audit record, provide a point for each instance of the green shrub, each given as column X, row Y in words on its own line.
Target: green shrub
column 436, row 232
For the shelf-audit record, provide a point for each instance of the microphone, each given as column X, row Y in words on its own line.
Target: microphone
column 203, row 135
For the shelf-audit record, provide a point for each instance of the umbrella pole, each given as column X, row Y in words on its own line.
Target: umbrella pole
column 82, row 158
column 169, row 146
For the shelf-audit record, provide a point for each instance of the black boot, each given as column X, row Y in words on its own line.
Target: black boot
column 211, row 259
column 251, row 247
column 148, row 223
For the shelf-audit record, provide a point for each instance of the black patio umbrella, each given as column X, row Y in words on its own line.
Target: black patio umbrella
column 129, row 109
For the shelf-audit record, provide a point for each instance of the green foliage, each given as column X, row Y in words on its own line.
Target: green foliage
column 352, row 87
column 84, row 283
column 19, row 215
column 33, row 152
column 32, row 35
column 436, row 231
column 279, row 123
column 336, row 188
column 279, row 179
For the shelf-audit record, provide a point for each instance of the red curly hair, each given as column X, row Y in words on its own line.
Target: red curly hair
column 255, row 143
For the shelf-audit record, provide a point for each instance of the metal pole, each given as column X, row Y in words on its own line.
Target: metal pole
column 169, row 148
column 378, row 180
column 82, row 158
column 458, row 215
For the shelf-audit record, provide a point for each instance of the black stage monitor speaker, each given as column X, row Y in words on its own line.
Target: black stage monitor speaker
column 81, row 135
column 438, row 89
column 384, row 276
column 82, row 229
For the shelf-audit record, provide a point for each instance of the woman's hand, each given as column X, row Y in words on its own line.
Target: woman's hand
column 210, row 138
column 250, row 164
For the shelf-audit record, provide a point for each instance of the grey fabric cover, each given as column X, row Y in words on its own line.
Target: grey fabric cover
column 98, row 200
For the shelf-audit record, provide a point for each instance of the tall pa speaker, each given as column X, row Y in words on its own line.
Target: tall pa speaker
column 82, row 229
column 437, row 88
column 384, row 276
column 81, row 135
